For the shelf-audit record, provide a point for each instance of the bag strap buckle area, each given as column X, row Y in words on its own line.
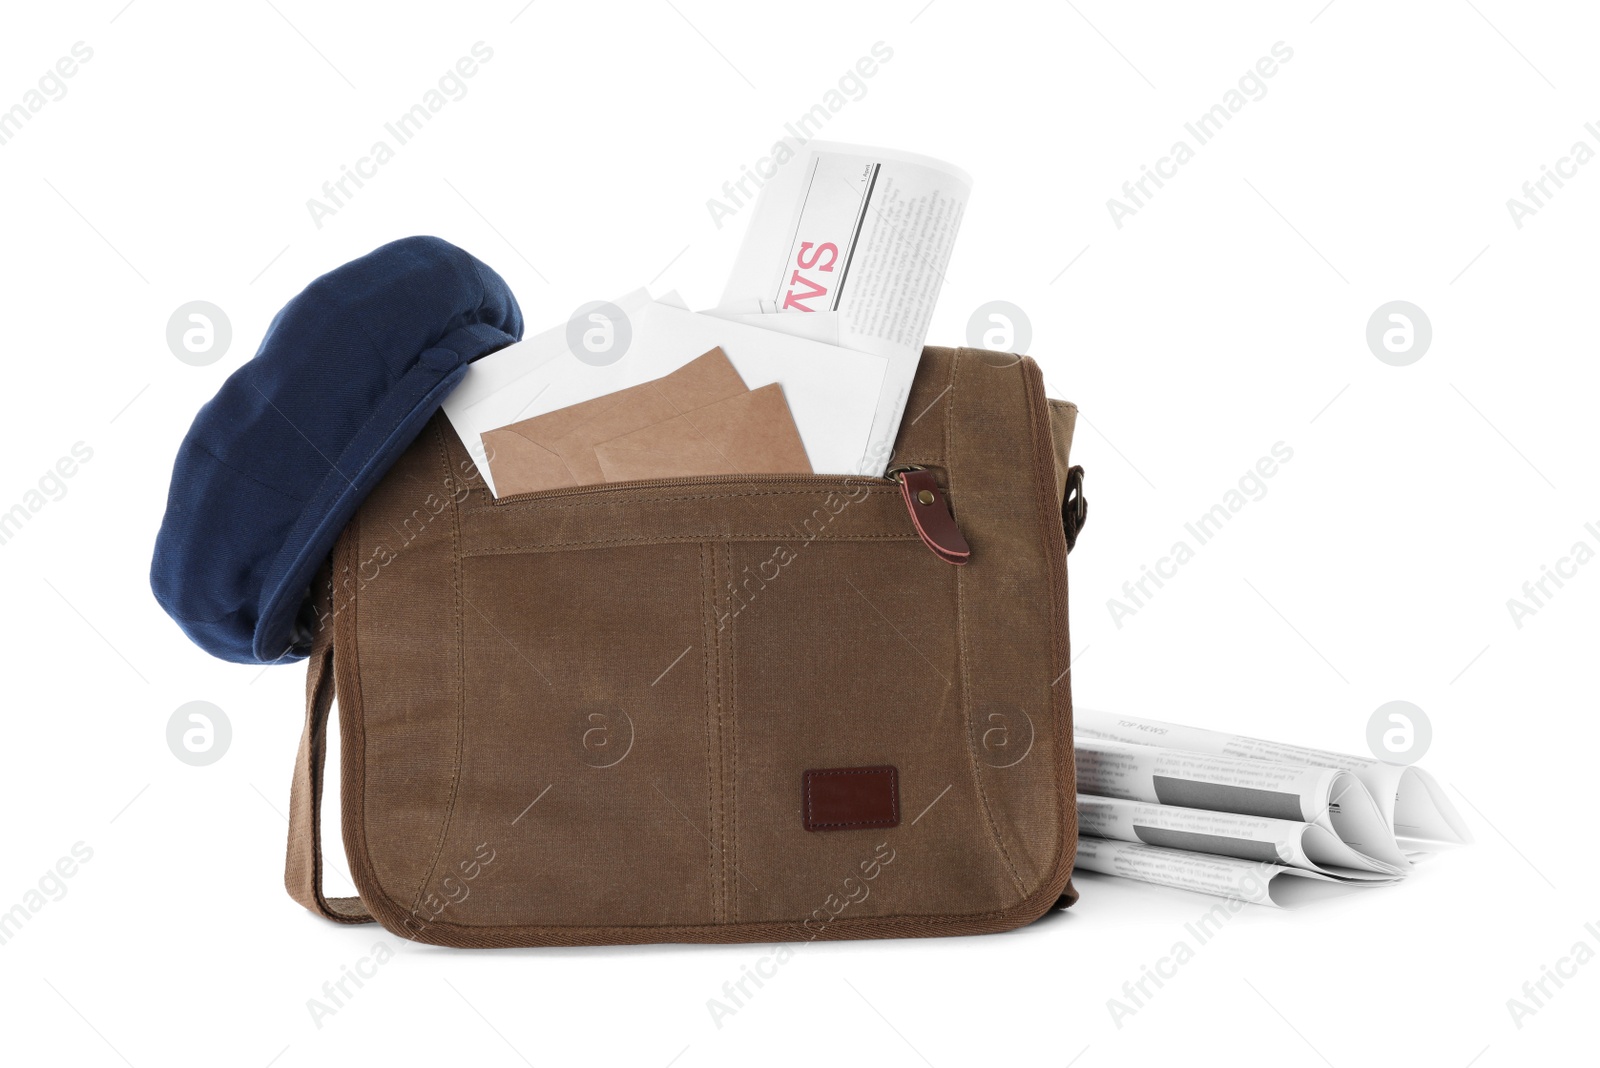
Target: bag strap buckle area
column 931, row 514
column 1074, row 506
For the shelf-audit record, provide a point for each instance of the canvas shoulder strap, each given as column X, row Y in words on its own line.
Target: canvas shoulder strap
column 303, row 869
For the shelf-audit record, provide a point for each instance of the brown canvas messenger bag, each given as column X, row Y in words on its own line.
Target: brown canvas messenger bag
column 747, row 708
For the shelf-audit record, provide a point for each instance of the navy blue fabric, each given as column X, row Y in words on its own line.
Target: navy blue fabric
column 276, row 463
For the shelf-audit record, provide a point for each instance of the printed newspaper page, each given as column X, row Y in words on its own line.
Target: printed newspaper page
column 1411, row 801
column 1293, row 844
column 849, row 245
column 1327, row 797
column 1257, row 882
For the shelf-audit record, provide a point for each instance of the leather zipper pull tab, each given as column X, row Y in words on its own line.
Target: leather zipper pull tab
column 930, row 514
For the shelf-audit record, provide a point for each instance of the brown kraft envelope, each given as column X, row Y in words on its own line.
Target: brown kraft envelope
column 751, row 433
column 557, row 449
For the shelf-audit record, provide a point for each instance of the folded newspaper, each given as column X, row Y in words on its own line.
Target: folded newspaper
column 1246, row 818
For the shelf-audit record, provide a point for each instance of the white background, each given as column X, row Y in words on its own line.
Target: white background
column 1226, row 315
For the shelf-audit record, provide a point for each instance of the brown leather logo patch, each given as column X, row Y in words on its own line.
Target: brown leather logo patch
column 839, row 799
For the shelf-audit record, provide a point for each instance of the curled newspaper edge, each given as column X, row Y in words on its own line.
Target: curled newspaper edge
column 1185, row 807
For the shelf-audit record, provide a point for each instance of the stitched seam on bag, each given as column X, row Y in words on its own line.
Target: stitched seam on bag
column 716, row 734
column 580, row 502
column 1048, row 512
column 722, row 738
column 966, row 664
column 988, row 805
column 731, row 742
column 490, row 550
column 460, row 688
column 872, row 926
column 722, row 742
column 898, row 924
column 708, row 608
column 724, row 713
column 894, row 798
column 720, row 658
column 1060, row 634
column 474, row 483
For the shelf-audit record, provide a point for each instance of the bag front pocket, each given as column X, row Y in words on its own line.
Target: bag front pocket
column 584, row 738
column 599, row 734
column 851, row 661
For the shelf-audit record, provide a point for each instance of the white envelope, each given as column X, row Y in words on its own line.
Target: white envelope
column 499, row 370
column 823, row 326
column 832, row 392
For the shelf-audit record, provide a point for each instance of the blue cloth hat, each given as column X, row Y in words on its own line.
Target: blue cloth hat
column 277, row 462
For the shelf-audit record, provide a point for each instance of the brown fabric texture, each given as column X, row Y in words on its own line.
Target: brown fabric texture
column 583, row 716
column 303, row 871
column 1063, row 421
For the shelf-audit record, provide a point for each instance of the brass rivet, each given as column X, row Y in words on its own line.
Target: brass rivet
column 925, row 496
